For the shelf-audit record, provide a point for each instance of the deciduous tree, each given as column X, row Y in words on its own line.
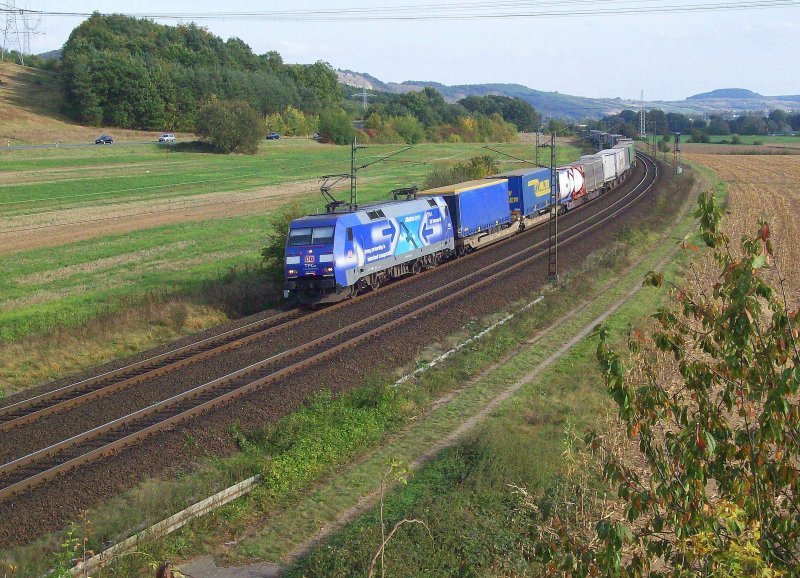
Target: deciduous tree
column 230, row 126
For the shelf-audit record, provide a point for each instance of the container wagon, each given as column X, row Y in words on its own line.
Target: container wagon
column 571, row 187
column 479, row 211
column 528, row 192
column 592, row 175
column 630, row 149
column 609, row 168
column 618, row 156
column 334, row 256
column 621, row 160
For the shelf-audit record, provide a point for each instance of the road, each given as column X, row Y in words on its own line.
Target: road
column 74, row 145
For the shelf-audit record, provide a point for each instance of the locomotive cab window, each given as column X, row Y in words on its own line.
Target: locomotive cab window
column 299, row 236
column 322, row 236
column 349, row 233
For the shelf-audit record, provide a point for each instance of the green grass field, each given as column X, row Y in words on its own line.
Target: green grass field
column 50, row 179
column 69, row 285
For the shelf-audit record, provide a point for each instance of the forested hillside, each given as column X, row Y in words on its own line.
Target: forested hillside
column 134, row 73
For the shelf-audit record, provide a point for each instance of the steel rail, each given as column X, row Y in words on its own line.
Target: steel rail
column 128, row 439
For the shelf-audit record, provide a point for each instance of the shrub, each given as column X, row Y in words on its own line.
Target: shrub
column 230, row 126
column 736, row 139
column 292, row 122
column 698, row 136
column 273, row 252
column 476, row 168
column 409, row 129
column 335, row 126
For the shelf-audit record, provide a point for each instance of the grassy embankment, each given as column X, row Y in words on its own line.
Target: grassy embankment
column 328, row 434
column 81, row 302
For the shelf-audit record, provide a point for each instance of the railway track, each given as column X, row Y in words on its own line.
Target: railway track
column 25, row 411
column 25, row 472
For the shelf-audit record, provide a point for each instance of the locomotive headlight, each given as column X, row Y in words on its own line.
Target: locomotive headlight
column 328, row 270
column 292, row 272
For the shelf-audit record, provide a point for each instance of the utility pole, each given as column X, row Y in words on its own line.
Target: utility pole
column 655, row 140
column 552, row 243
column 353, row 177
column 11, row 28
column 642, row 129
column 676, row 151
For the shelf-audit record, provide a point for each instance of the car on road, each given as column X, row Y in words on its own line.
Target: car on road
column 104, row 139
column 273, row 136
column 167, row 137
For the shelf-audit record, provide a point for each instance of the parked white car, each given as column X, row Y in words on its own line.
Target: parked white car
column 166, row 138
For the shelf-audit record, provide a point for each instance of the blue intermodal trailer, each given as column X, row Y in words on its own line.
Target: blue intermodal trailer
column 528, row 191
column 479, row 210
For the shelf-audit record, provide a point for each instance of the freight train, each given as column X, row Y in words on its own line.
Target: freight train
column 339, row 254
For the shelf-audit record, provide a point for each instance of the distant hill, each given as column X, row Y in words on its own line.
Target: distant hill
column 547, row 103
column 566, row 106
column 726, row 93
column 51, row 55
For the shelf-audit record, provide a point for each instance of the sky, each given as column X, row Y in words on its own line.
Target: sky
column 669, row 56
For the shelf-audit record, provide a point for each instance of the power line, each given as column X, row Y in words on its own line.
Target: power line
column 30, row 21
column 466, row 11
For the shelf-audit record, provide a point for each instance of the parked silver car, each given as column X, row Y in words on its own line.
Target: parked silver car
column 166, row 138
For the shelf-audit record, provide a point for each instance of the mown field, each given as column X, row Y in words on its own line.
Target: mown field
column 89, row 233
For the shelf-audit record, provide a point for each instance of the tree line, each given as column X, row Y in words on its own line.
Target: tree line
column 126, row 72
column 700, row 128
column 413, row 117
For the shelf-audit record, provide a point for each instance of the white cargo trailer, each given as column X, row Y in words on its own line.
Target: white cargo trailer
column 593, row 175
column 619, row 156
column 609, row 166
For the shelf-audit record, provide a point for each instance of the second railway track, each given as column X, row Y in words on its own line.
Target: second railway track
column 19, row 474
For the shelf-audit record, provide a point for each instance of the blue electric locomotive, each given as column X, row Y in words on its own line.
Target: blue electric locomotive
column 334, row 256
